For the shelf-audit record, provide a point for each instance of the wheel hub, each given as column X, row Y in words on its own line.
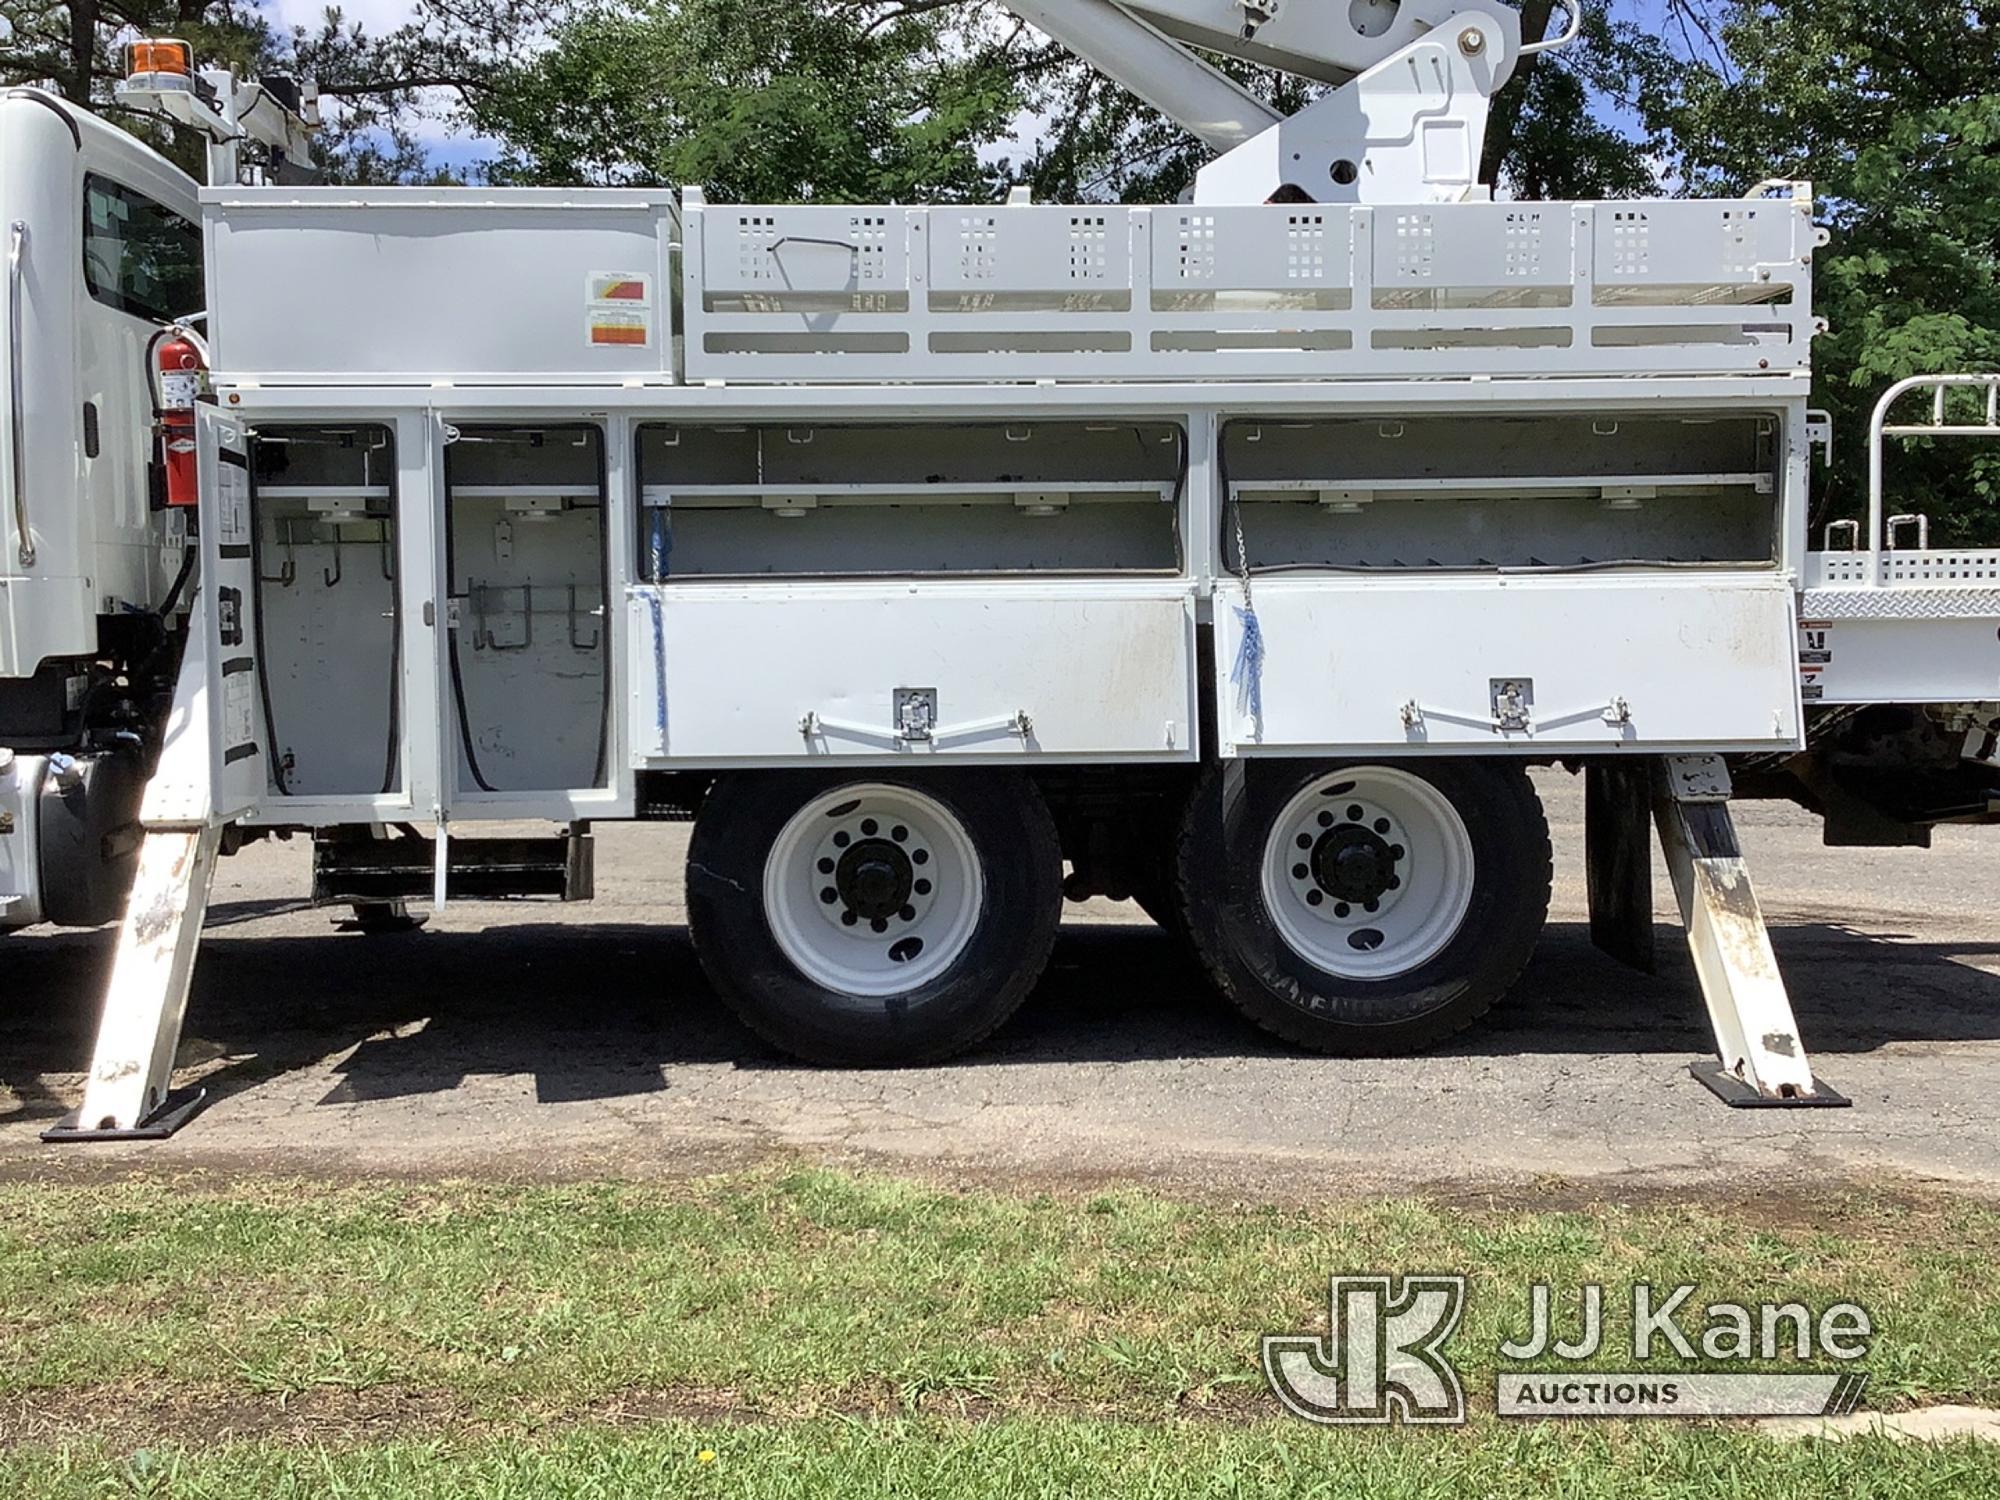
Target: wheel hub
column 875, row 879
column 1353, row 864
column 1368, row 872
column 873, row 889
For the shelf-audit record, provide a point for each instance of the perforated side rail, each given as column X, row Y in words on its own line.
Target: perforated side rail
column 1914, row 586
column 820, row 294
column 1965, row 569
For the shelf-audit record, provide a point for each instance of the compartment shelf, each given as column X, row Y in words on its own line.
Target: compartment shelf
column 325, row 492
column 526, row 492
column 751, row 496
column 1504, row 484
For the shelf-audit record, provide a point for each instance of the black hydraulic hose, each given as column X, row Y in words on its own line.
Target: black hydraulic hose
column 451, row 637
column 277, row 762
column 173, row 599
column 464, row 720
column 392, row 765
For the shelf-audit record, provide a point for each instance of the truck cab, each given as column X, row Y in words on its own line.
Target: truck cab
column 102, row 248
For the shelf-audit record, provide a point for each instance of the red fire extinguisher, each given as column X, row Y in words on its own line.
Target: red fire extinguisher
column 179, row 362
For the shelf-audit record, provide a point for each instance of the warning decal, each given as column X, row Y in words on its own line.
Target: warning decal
column 1815, row 656
column 239, row 711
column 232, row 500
column 619, row 309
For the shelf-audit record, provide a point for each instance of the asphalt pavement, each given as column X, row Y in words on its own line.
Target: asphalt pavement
column 544, row 1040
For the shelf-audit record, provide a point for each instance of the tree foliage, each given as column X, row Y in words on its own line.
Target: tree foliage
column 756, row 100
column 1890, row 107
column 788, row 99
column 376, row 86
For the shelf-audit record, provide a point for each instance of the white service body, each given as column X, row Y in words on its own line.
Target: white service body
column 994, row 461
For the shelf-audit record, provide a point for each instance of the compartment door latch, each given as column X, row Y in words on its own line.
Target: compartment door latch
column 1513, row 704
column 916, row 711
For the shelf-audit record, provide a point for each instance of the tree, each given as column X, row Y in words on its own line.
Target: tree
column 758, row 101
column 1890, row 106
column 1552, row 136
column 374, row 85
column 780, row 99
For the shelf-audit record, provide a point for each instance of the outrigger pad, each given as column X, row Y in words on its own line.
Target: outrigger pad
column 182, row 1106
column 1737, row 1094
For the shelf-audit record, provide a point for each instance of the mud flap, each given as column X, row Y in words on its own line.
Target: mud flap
column 1618, row 844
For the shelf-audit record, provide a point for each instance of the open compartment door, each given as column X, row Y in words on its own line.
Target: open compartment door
column 227, row 616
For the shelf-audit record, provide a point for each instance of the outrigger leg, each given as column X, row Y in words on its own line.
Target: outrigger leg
column 129, row 1092
column 1762, row 1063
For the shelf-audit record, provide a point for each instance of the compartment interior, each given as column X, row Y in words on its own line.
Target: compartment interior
column 1473, row 493
column 528, row 658
column 323, row 502
column 933, row 499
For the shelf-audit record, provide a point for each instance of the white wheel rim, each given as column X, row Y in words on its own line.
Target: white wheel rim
column 873, row 890
column 1368, row 834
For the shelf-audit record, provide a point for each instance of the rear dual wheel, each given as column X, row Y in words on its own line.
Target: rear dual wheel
column 874, row 919
column 1365, row 909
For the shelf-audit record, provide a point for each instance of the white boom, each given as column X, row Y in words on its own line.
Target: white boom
column 1406, row 122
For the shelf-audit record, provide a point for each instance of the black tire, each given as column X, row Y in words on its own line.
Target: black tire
column 1221, row 891
column 1009, row 828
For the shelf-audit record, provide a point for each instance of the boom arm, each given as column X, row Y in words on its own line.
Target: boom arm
column 1405, row 124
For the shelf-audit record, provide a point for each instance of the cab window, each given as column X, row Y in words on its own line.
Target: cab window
column 139, row 257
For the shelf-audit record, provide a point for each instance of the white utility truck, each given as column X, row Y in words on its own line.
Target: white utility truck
column 1239, row 556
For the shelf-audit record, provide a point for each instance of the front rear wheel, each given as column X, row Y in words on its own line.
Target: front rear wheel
column 874, row 920
column 1365, row 909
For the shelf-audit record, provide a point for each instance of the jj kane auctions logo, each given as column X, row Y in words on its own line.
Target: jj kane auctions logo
column 1385, row 1360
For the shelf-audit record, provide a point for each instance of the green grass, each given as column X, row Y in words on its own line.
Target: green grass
column 828, row 1333
column 1037, row 1457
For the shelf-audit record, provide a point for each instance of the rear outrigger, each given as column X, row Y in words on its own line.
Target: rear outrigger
column 1239, row 557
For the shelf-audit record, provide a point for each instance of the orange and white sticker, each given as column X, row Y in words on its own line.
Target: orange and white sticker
column 619, row 309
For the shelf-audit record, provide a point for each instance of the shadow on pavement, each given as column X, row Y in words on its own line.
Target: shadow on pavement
column 607, row 1011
